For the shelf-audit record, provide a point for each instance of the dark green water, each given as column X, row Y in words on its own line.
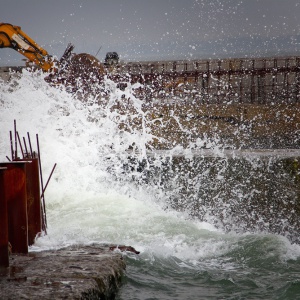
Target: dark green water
column 248, row 267
column 254, row 253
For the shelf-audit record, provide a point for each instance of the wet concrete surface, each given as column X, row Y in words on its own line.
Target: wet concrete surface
column 75, row 272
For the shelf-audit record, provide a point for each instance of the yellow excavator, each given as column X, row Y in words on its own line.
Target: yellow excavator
column 12, row 36
column 78, row 72
column 66, row 70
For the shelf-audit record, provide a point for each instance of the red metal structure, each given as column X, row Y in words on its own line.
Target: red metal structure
column 34, row 209
column 4, row 259
column 22, row 211
column 16, row 197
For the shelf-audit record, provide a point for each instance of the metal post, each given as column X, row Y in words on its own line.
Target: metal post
column 16, row 143
column 19, row 140
column 42, row 183
column 31, row 153
column 25, row 145
column 11, row 145
column 253, row 94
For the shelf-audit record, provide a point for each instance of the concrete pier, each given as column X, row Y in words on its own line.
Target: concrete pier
column 77, row 272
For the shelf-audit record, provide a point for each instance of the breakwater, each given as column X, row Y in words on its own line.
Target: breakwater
column 236, row 80
column 269, row 80
column 248, row 103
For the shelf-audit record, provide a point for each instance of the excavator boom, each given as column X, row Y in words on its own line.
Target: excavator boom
column 12, row 36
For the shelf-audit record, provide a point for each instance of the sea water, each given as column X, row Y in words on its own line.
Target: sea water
column 93, row 197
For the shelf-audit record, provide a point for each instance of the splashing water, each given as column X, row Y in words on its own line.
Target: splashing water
column 195, row 218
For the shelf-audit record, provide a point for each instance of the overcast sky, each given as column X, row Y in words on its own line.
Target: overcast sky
column 157, row 29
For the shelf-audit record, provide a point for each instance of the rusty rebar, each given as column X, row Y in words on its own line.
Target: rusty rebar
column 42, row 184
column 16, row 144
column 11, row 145
column 31, row 153
column 48, row 180
column 25, row 145
column 20, row 145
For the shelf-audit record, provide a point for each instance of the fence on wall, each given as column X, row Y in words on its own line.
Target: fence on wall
column 255, row 80
column 259, row 80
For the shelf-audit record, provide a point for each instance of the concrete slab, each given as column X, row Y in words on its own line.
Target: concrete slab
column 76, row 272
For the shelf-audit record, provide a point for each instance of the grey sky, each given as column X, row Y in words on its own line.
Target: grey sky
column 158, row 29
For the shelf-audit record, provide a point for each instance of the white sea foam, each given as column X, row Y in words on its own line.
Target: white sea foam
column 86, row 203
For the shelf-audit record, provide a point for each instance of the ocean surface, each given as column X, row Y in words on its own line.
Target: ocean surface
column 93, row 198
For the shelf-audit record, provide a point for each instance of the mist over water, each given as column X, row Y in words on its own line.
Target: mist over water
column 187, row 216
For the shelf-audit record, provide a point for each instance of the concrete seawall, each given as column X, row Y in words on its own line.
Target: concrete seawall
column 237, row 190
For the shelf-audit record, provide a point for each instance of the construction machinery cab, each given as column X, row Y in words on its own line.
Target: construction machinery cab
column 111, row 58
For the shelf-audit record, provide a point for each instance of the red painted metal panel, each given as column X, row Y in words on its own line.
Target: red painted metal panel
column 4, row 258
column 15, row 189
column 33, row 200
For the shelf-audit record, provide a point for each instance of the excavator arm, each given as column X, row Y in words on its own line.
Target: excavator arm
column 12, row 36
column 76, row 71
